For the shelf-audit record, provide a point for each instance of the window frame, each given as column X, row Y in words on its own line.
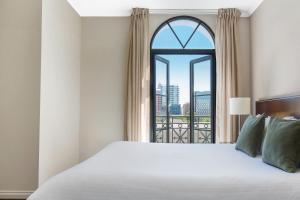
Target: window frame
column 183, row 51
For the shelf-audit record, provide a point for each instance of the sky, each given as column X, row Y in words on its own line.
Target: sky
column 180, row 64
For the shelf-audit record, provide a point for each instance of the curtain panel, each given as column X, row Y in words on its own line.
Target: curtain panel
column 137, row 108
column 227, row 42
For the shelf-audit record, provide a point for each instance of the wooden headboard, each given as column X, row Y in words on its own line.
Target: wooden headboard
column 280, row 107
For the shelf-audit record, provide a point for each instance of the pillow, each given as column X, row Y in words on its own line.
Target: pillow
column 290, row 118
column 267, row 121
column 281, row 147
column 251, row 135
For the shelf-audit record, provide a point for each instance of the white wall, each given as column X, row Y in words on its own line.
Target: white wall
column 275, row 43
column 20, row 58
column 104, row 58
column 60, row 88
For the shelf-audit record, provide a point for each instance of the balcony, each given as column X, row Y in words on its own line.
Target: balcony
column 179, row 129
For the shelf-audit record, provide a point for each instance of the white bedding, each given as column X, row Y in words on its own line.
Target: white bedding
column 137, row 171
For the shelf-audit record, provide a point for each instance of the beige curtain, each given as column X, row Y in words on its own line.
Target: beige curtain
column 137, row 116
column 227, row 66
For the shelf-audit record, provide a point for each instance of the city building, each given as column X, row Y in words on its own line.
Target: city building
column 186, row 109
column 202, row 103
column 174, row 93
column 175, row 109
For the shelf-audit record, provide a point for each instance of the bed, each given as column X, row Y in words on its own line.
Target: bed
column 145, row 171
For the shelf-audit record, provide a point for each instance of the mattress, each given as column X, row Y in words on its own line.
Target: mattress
column 143, row 171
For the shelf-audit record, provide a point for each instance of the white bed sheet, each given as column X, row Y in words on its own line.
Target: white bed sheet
column 141, row 171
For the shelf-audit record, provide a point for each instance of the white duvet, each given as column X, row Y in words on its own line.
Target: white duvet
column 140, row 171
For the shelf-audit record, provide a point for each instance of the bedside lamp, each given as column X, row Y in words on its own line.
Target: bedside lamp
column 239, row 106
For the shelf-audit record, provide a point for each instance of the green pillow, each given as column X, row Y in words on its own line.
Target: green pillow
column 281, row 147
column 251, row 135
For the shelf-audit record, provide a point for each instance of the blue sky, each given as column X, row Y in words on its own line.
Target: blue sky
column 183, row 29
column 180, row 64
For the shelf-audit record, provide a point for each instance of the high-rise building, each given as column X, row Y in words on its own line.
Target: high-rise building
column 161, row 103
column 186, row 109
column 173, row 93
column 158, row 102
column 202, row 103
column 161, row 100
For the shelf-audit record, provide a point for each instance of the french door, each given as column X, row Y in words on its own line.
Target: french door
column 183, row 96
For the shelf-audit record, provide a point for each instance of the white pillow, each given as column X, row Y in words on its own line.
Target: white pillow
column 290, row 118
column 267, row 121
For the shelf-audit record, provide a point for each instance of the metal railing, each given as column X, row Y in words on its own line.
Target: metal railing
column 180, row 131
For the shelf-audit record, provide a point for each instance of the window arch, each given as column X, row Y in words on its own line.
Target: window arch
column 183, row 33
column 183, row 82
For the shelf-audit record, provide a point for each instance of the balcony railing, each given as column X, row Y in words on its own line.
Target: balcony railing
column 180, row 131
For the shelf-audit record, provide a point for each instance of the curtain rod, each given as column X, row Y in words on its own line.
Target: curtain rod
column 190, row 12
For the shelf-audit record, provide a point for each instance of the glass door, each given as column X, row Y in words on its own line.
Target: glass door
column 161, row 100
column 184, row 101
column 202, row 99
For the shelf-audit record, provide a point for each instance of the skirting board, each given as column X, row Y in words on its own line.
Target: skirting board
column 9, row 194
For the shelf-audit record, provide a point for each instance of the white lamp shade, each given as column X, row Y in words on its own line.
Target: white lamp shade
column 239, row 106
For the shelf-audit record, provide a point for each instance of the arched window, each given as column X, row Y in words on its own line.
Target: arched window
column 183, row 82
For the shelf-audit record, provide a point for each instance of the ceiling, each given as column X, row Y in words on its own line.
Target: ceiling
column 123, row 7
